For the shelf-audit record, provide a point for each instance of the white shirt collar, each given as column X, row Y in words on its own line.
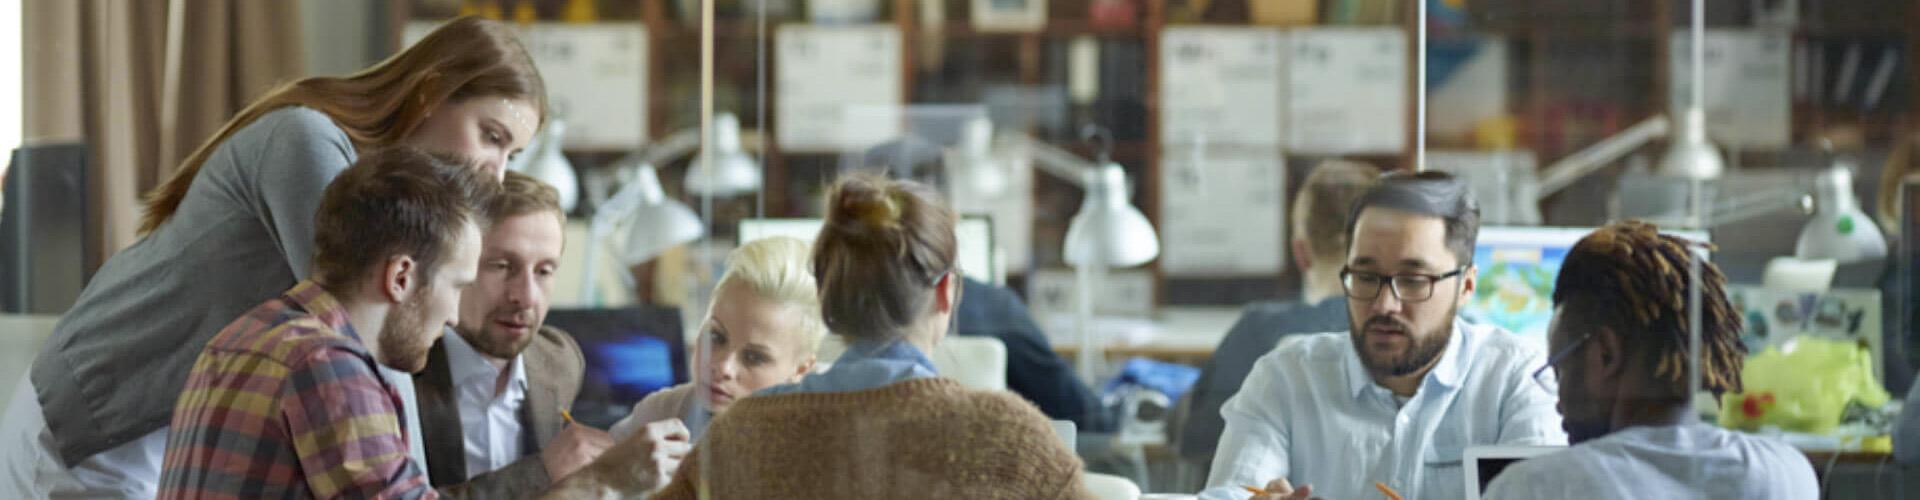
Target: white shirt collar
column 469, row 367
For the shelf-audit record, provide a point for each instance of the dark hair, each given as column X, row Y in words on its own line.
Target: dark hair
column 884, row 247
column 399, row 201
column 1634, row 281
column 521, row 194
column 1432, row 193
column 379, row 106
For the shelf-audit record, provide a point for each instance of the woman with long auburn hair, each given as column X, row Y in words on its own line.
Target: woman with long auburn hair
column 233, row 227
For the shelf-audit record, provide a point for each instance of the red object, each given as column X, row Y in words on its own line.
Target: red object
column 1113, row 14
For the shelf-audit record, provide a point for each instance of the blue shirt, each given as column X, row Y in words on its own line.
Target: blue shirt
column 866, row 365
column 1309, row 412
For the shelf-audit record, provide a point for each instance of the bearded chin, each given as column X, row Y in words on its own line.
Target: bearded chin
column 1419, row 354
column 402, row 334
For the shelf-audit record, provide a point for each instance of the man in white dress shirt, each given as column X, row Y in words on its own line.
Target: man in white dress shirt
column 1395, row 399
column 1620, row 343
column 491, row 395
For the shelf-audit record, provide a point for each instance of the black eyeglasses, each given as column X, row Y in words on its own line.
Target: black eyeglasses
column 1545, row 376
column 1410, row 287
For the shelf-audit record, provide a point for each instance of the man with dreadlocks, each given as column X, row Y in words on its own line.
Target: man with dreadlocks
column 1620, row 342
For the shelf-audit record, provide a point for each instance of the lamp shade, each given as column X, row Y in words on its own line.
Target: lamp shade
column 1839, row 230
column 547, row 164
column 983, row 175
column 1690, row 155
column 658, row 222
column 732, row 171
column 1108, row 231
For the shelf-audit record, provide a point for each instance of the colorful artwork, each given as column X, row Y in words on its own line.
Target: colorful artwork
column 1516, row 287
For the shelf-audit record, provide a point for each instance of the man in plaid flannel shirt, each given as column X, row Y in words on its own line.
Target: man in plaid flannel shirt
column 285, row 402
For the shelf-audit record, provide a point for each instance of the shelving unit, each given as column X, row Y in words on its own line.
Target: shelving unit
column 1579, row 71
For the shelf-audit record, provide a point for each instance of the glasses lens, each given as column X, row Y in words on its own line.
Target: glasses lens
column 1361, row 286
column 1413, row 287
column 1547, row 381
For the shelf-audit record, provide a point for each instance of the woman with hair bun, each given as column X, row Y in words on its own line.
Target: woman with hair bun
column 880, row 423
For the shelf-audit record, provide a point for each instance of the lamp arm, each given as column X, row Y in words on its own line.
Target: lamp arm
column 1055, row 161
column 1755, row 205
column 605, row 219
column 1585, row 162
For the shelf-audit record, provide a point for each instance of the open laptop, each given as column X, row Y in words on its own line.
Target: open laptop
column 1483, row 463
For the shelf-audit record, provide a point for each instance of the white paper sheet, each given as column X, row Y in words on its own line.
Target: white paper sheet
column 831, row 80
column 1220, row 85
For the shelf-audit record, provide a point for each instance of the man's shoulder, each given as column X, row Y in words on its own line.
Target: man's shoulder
column 1309, row 346
column 1495, row 345
column 287, row 337
column 554, row 353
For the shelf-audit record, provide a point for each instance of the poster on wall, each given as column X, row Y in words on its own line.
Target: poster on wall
column 1222, row 214
column 596, row 77
column 839, row 86
column 1220, row 85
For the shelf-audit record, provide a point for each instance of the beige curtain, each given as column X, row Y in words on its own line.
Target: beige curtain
column 144, row 82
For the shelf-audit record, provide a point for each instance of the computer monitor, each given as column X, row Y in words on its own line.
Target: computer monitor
column 630, row 353
column 974, row 235
column 1517, row 268
column 1483, row 463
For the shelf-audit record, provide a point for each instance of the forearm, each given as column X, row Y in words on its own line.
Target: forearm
column 524, row 478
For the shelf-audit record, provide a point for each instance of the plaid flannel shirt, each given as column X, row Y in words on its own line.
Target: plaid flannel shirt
column 285, row 402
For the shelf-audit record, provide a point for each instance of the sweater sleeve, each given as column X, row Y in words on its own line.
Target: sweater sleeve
column 300, row 154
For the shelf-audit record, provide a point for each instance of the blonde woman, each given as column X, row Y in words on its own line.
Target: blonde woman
column 233, row 227
column 762, row 329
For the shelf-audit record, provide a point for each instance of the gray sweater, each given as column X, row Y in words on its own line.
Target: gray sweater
column 244, row 233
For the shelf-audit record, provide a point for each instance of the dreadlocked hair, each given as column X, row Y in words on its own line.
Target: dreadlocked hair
column 1630, row 278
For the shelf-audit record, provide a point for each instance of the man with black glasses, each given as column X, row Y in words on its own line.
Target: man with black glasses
column 1391, row 403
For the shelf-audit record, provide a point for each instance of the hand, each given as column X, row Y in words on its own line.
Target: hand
column 653, row 454
column 1280, row 489
column 575, row 447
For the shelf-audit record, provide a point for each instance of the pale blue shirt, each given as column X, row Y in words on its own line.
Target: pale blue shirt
column 1309, row 412
column 1681, row 461
column 865, row 365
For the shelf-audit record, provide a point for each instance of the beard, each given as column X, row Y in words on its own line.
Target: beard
column 406, row 335
column 493, row 340
column 1421, row 350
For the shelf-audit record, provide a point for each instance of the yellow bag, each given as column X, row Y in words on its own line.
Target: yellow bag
column 1803, row 385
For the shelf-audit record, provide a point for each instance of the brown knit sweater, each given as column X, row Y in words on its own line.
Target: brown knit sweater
column 923, row 438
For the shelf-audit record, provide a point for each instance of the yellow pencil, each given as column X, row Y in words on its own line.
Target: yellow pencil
column 1391, row 495
column 565, row 415
column 1253, row 490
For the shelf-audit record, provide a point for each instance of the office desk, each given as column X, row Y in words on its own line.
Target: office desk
column 1186, row 335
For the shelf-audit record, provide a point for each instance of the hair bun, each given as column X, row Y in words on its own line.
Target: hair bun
column 865, row 206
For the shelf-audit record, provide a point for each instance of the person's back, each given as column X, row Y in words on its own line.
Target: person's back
column 1685, row 461
column 922, row 438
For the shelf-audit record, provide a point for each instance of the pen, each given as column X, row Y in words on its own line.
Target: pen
column 1391, row 495
column 1253, row 490
column 568, row 416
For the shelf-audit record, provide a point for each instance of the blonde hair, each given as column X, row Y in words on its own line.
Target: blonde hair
column 775, row 268
column 377, row 107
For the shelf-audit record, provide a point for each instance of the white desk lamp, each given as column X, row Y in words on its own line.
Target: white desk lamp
column 732, row 171
column 1839, row 231
column 1107, row 231
column 546, row 162
column 654, row 221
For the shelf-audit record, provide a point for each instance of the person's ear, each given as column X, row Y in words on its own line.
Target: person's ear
column 947, row 291
column 805, row 368
column 1608, row 353
column 1300, row 256
column 1469, row 280
column 399, row 277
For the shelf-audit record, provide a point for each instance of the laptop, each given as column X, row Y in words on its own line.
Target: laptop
column 1483, row 463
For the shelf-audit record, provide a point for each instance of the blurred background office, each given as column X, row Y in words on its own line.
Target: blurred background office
column 1125, row 170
